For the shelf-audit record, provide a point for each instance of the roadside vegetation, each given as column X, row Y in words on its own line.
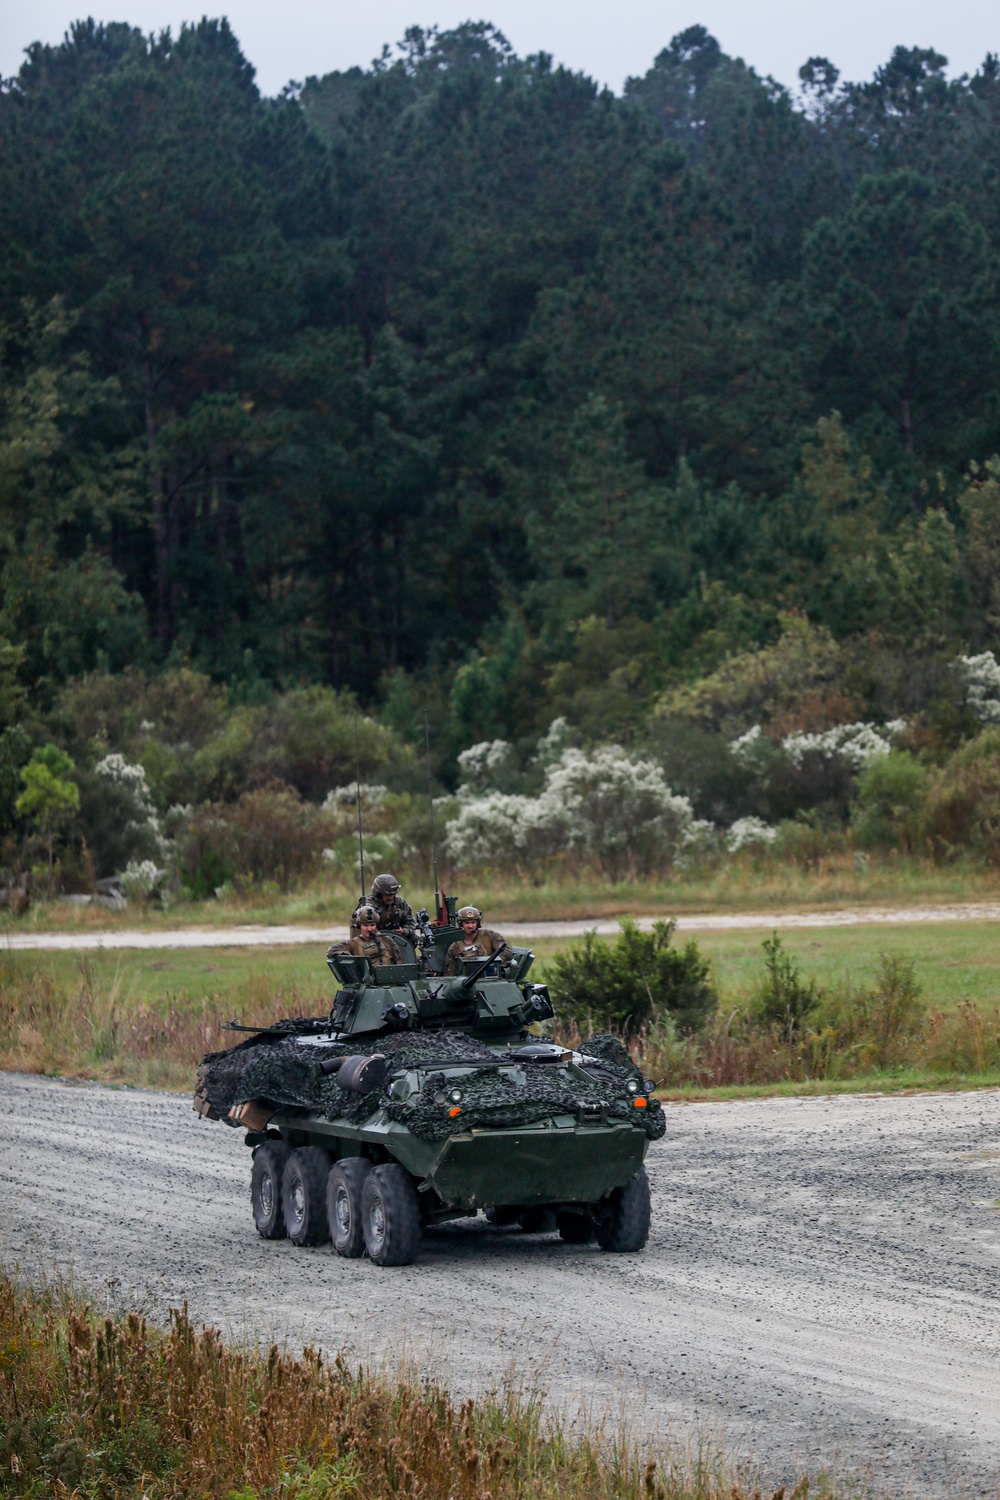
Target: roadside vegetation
column 837, row 1008
column 99, row 1406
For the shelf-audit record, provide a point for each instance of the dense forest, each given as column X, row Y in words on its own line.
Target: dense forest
column 461, row 387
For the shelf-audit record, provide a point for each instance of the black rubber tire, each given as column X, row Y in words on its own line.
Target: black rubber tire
column 390, row 1216
column 623, row 1222
column 303, row 1196
column 537, row 1221
column 502, row 1215
column 575, row 1229
column 344, row 1189
column 265, row 1189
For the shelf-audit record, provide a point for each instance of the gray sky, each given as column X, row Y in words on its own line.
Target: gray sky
column 608, row 41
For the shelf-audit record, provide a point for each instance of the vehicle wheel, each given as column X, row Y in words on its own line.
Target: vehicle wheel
column 390, row 1216
column 344, row 1188
column 265, row 1189
column 537, row 1221
column 303, row 1196
column 575, row 1229
column 623, row 1221
column 502, row 1215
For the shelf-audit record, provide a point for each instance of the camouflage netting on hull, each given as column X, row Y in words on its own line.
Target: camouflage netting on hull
column 279, row 1070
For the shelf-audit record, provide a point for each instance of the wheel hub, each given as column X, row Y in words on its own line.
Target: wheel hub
column 342, row 1212
column 298, row 1198
column 376, row 1221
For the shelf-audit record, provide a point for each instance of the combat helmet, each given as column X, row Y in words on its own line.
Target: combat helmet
column 469, row 914
column 364, row 913
column 384, row 885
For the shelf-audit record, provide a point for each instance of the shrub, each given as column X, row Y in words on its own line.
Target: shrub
column 963, row 805
column 783, row 998
column 612, row 811
column 634, row 980
column 879, row 1023
column 269, row 834
column 747, row 833
column 890, row 800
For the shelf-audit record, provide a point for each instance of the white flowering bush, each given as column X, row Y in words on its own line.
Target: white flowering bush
column 504, row 828
column 373, row 797
column 855, row 744
column 981, row 679
column 483, row 766
column 604, row 806
column 130, row 775
column 747, row 747
column 141, row 825
column 140, row 879
column 747, row 832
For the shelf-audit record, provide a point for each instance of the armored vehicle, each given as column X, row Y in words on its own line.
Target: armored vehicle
column 424, row 1097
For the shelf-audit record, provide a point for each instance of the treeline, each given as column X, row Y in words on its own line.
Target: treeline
column 466, row 387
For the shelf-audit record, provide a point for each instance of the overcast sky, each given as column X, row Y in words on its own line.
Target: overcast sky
column 609, row 41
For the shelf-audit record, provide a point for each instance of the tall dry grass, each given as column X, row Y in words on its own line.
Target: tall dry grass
column 116, row 1407
column 98, row 1030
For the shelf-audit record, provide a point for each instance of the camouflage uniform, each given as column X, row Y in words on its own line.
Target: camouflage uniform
column 485, row 943
column 380, row 949
column 396, row 918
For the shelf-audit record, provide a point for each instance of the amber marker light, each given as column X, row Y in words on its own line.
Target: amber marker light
column 639, row 1103
column 454, row 1111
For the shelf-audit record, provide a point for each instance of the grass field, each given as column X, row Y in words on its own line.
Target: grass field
column 144, row 1017
column 742, row 883
column 955, row 961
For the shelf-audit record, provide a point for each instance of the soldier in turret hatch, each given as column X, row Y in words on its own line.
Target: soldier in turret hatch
column 478, row 941
column 393, row 913
column 369, row 942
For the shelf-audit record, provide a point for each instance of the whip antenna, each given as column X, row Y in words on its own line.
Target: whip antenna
column 430, row 799
column 357, row 787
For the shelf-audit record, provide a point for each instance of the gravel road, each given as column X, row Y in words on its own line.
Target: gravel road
column 251, row 936
column 821, row 1287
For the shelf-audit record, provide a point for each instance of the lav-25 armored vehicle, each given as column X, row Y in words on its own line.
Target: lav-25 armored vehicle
column 422, row 1098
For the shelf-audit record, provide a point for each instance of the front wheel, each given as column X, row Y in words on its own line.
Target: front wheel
column 344, row 1190
column 303, row 1196
column 390, row 1216
column 265, row 1189
column 623, row 1218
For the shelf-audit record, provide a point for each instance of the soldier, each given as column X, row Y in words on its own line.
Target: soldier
column 394, row 914
column 478, row 942
column 369, row 942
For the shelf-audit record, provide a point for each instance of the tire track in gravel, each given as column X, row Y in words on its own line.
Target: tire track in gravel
column 821, row 1286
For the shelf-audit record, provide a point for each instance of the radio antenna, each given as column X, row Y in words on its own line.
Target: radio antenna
column 357, row 787
column 430, row 799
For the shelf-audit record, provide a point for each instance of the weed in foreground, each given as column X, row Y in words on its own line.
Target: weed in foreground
column 118, row 1407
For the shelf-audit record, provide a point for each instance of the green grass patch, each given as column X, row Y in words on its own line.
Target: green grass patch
column 740, row 883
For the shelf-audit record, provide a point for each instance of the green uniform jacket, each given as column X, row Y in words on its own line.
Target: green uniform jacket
column 380, row 949
column 483, row 944
column 395, row 918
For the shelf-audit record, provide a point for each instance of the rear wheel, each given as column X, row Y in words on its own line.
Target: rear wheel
column 390, row 1216
column 575, row 1229
column 502, row 1215
column 303, row 1196
column 537, row 1221
column 623, row 1221
column 265, row 1189
column 344, row 1190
